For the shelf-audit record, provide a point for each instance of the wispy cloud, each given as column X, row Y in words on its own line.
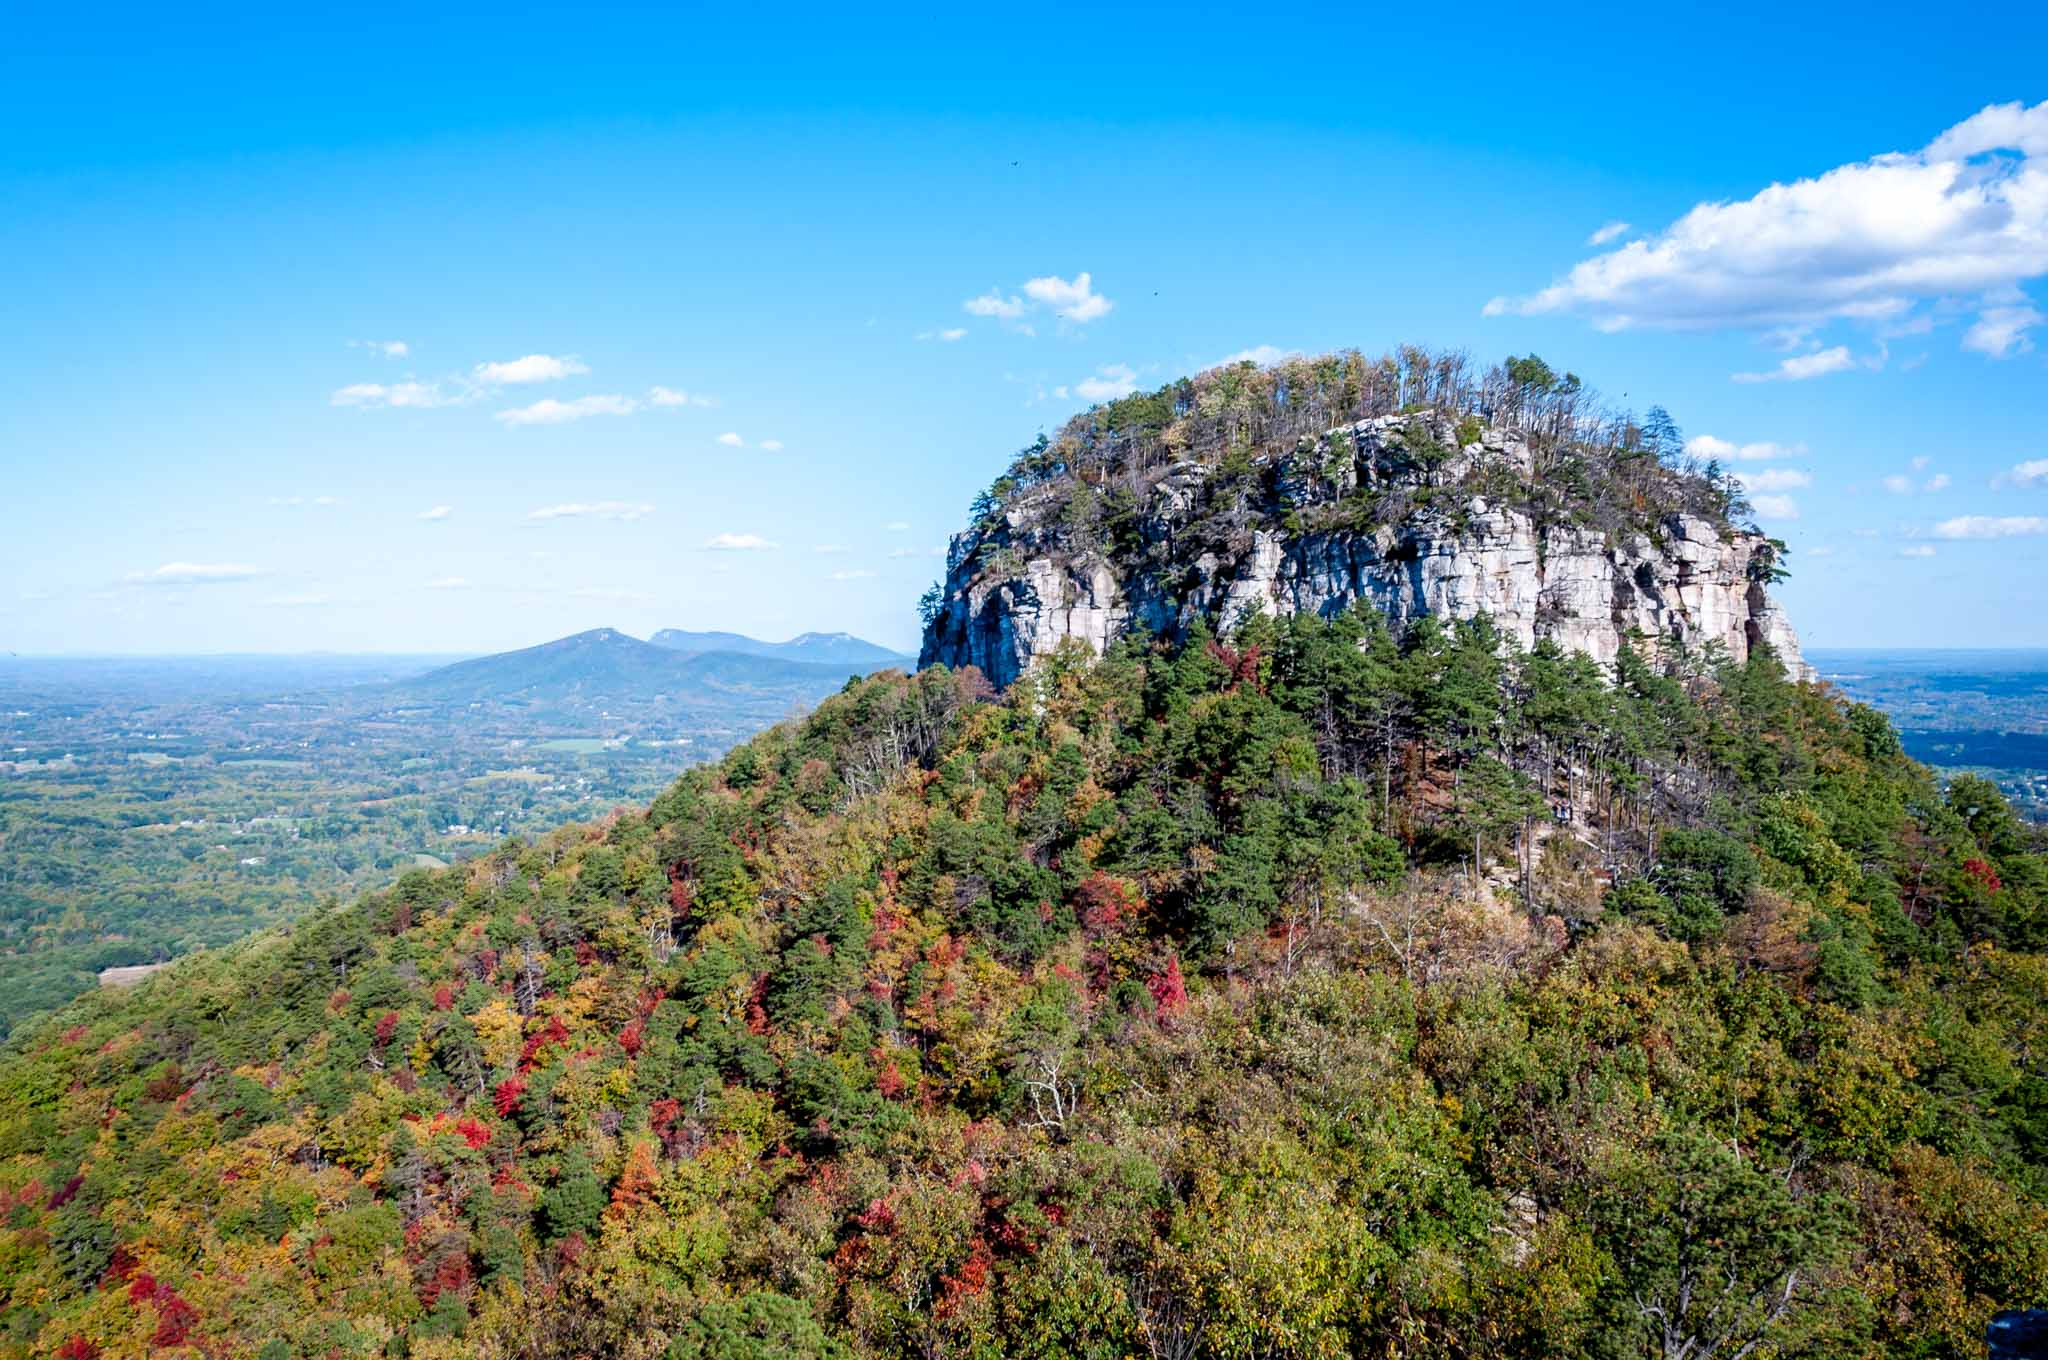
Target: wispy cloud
column 1917, row 550
column 449, row 583
column 897, row 526
column 1902, row 484
column 676, row 396
column 323, row 502
column 1107, row 383
column 549, row 411
column 1611, row 231
column 1707, row 447
column 994, row 304
column 2033, row 472
column 770, row 446
column 1775, row 479
column 731, row 439
column 390, row 349
column 853, row 574
column 621, row 510
column 1866, row 242
column 412, row 395
column 1801, row 367
column 2001, row 332
column 738, row 543
column 531, row 368
column 197, row 574
column 299, row 601
column 1071, row 300
column 947, row 336
column 829, row 548
column 1992, row 526
column 438, row 512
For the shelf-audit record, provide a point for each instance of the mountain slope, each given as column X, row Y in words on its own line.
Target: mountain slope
column 1149, row 1002
column 599, row 661
column 604, row 664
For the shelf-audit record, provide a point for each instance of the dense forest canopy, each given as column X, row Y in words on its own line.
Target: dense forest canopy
column 1323, row 993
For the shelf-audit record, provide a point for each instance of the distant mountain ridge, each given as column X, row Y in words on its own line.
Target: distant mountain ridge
column 836, row 648
column 604, row 664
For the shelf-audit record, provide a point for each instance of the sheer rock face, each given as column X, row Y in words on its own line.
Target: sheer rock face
column 1015, row 589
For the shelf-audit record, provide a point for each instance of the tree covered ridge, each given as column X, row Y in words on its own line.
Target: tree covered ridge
column 1154, row 1008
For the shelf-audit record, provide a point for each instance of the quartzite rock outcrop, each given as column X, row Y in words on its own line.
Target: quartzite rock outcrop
column 1021, row 583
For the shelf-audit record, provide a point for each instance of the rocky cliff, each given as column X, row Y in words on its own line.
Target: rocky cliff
column 1415, row 513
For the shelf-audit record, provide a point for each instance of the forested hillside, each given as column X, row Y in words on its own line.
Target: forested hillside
column 1152, row 1009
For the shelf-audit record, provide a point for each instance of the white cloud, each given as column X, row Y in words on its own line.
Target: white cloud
column 917, row 552
column 1899, row 484
column 1775, row 479
column 1920, row 463
column 438, row 512
column 1110, row 381
column 449, row 583
column 993, row 303
column 951, row 333
column 1868, row 241
column 1992, row 526
column 2001, row 332
column 1775, row 507
column 298, row 601
column 1073, row 300
column 1265, row 356
column 853, row 574
column 390, row 349
column 770, row 446
column 738, row 543
column 1917, row 550
column 898, row 526
column 197, row 574
column 531, row 368
column 675, row 396
column 829, row 548
column 1800, row 367
column 731, row 439
column 1070, row 301
column 2033, row 472
column 324, row 501
column 625, row 510
column 548, row 411
column 416, row 395
column 1706, row 446
column 1820, row 552
column 1607, row 233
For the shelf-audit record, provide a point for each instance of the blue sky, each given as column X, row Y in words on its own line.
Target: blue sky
column 605, row 241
